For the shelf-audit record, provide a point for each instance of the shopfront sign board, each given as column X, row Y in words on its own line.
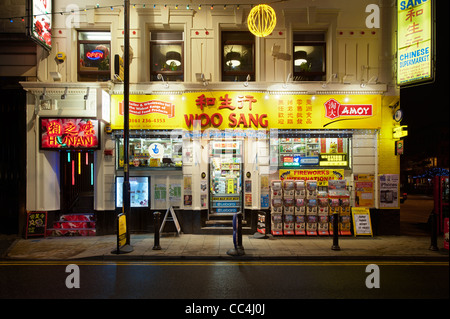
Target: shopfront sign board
column 121, row 230
column 36, row 224
column 361, row 221
column 415, row 43
column 247, row 111
column 69, row 133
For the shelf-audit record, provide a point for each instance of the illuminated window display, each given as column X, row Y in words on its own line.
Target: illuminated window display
column 139, row 187
column 302, row 151
column 94, row 56
column 152, row 153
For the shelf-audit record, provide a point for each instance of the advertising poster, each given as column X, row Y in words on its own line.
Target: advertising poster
column 389, row 190
column 364, row 187
column 160, row 192
column 175, row 192
column 361, row 221
column 41, row 22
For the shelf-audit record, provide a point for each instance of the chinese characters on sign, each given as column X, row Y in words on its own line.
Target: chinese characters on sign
column 36, row 224
column 242, row 102
column 64, row 133
column 414, row 41
column 224, row 110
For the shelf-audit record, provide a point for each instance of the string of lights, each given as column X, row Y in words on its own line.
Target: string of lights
column 112, row 7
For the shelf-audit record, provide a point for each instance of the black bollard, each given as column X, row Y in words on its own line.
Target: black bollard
column 433, row 246
column 157, row 219
column 237, row 236
column 335, row 232
column 239, row 231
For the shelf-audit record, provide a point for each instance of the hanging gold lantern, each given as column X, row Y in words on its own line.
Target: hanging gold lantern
column 262, row 20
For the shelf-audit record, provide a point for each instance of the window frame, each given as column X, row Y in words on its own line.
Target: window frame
column 167, row 73
column 297, row 76
column 92, row 72
column 227, row 42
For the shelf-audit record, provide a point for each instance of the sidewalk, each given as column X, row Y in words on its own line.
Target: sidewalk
column 195, row 247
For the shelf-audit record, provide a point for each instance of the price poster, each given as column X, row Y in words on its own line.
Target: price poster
column 361, row 221
column 389, row 190
column 364, row 185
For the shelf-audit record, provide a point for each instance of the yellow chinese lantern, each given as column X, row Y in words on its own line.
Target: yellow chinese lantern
column 262, row 20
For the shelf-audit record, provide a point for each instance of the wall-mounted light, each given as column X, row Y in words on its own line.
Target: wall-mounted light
column 160, row 77
column 173, row 57
column 42, row 97
column 299, row 58
column 63, row 97
column 246, row 80
column 287, row 80
column 233, row 59
column 87, row 94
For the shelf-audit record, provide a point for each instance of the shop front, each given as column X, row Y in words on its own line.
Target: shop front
column 212, row 154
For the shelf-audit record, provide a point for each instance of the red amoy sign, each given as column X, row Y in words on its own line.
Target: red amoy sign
column 334, row 109
column 65, row 133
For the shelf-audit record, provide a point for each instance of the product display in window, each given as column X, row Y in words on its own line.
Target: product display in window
column 152, row 153
column 311, row 152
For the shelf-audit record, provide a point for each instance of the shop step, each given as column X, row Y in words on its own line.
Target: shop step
column 73, row 225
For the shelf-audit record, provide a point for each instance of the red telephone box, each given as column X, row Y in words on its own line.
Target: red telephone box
column 441, row 206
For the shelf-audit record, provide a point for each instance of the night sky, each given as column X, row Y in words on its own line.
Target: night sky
column 426, row 107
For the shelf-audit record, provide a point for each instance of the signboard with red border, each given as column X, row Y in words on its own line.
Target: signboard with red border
column 69, row 133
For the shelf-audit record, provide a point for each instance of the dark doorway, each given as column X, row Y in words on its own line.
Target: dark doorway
column 12, row 153
column 77, row 182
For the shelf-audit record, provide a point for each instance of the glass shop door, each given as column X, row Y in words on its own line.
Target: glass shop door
column 225, row 172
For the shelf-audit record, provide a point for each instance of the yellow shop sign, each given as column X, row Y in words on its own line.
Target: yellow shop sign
column 247, row 110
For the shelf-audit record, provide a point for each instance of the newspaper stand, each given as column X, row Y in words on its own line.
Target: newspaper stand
column 322, row 200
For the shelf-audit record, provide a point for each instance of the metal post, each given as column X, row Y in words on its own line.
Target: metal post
column 434, row 232
column 126, row 121
column 237, row 236
column 157, row 219
column 335, row 232
column 239, row 231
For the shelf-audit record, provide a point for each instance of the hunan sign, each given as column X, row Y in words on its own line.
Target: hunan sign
column 69, row 133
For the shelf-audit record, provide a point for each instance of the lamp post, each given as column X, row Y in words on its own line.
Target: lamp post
column 126, row 124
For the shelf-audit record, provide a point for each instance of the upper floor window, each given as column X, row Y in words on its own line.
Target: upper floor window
column 94, row 49
column 238, row 56
column 309, row 52
column 166, row 55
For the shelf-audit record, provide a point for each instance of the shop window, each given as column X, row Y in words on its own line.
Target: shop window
column 309, row 56
column 311, row 151
column 94, row 49
column 238, row 56
column 166, row 56
column 152, row 152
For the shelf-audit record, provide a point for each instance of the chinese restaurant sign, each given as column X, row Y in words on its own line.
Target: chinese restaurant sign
column 414, row 41
column 41, row 22
column 69, row 133
column 247, row 110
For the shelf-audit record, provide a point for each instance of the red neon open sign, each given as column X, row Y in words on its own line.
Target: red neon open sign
column 95, row 55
